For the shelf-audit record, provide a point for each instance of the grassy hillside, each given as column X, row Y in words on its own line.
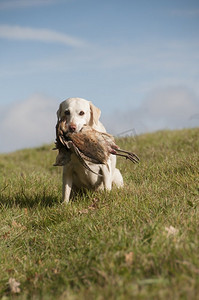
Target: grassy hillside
column 140, row 242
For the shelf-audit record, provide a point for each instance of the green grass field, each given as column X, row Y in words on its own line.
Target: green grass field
column 139, row 242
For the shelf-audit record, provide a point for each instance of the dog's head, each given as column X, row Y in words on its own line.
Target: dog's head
column 78, row 112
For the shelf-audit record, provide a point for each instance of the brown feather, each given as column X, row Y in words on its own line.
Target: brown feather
column 89, row 144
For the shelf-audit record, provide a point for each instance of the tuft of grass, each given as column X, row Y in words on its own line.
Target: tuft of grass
column 139, row 242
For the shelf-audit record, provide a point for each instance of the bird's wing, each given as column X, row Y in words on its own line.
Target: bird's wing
column 81, row 157
column 90, row 147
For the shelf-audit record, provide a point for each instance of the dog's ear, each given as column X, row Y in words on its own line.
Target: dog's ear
column 59, row 114
column 95, row 114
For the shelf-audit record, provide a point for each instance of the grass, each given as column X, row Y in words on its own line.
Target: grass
column 117, row 245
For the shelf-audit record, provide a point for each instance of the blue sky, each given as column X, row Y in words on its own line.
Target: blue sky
column 136, row 60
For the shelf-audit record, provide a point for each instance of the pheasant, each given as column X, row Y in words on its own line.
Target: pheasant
column 88, row 144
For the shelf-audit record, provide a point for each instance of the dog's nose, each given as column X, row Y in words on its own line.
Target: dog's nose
column 72, row 127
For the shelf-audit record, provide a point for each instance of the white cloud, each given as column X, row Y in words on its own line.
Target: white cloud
column 31, row 122
column 127, row 69
column 164, row 108
column 154, row 62
column 12, row 4
column 28, row 123
column 41, row 34
column 170, row 107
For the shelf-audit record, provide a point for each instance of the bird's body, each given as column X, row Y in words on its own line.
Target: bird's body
column 88, row 144
column 93, row 144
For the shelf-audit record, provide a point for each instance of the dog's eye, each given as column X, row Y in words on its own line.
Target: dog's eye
column 67, row 112
column 81, row 113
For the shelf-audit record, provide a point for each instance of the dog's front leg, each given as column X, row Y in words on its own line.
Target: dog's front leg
column 67, row 183
column 107, row 176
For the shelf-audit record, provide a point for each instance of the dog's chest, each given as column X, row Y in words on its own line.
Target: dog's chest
column 83, row 177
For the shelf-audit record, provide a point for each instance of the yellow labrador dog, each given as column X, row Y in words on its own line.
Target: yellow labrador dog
column 80, row 112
